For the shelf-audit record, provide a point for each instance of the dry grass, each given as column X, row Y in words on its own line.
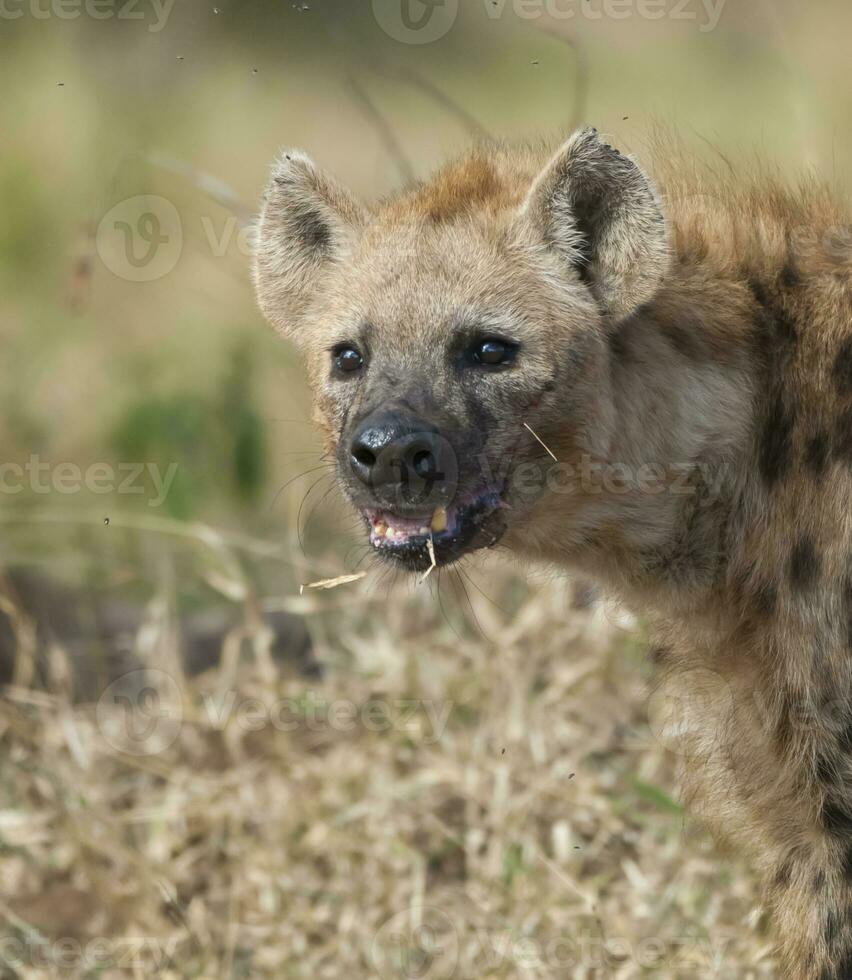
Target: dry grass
column 537, row 832
column 446, row 801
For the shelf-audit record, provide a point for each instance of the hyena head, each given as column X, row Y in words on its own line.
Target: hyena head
column 456, row 335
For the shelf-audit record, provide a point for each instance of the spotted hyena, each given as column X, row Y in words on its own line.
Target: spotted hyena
column 649, row 383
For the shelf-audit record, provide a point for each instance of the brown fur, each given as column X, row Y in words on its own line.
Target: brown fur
column 704, row 330
column 474, row 184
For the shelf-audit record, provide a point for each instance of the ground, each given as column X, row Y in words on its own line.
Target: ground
column 471, row 792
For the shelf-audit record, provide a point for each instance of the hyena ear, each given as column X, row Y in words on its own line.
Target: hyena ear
column 307, row 224
column 596, row 208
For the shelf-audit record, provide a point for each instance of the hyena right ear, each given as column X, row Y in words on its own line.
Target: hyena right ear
column 308, row 222
column 599, row 212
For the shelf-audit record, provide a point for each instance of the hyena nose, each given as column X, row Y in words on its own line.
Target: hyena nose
column 394, row 451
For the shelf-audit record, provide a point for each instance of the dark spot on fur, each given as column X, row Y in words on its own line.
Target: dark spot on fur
column 776, row 441
column 785, row 329
column 789, row 719
column 804, row 565
column 659, row 654
column 819, row 881
column 776, row 328
column 685, row 341
column 754, row 593
column 826, row 770
column 583, row 268
column 618, row 344
column 784, row 732
column 816, row 453
column 481, row 423
column 844, row 968
column 766, row 598
column 313, row 232
column 790, row 277
column 847, row 606
column 758, row 290
column 846, row 863
column 843, row 438
column 836, row 818
column 844, row 739
column 831, row 928
column 843, row 367
column 775, row 342
column 783, row 875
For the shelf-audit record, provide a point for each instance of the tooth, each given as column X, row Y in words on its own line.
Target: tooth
column 424, row 530
column 439, row 519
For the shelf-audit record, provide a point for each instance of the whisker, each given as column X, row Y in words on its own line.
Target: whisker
column 470, row 606
column 299, row 476
column 394, row 578
column 479, row 590
column 367, row 554
column 381, row 578
column 313, row 486
column 443, row 610
column 299, row 452
column 319, row 504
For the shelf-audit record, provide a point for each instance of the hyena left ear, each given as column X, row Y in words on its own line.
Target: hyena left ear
column 596, row 208
column 308, row 223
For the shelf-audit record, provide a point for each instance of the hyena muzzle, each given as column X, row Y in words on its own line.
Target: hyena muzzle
column 647, row 383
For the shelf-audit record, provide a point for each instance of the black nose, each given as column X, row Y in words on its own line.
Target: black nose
column 396, row 451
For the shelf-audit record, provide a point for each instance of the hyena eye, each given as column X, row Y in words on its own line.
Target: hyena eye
column 492, row 352
column 347, row 358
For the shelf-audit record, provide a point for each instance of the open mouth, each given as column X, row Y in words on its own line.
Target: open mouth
column 448, row 531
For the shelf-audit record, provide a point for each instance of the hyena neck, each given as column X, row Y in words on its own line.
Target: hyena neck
column 651, row 515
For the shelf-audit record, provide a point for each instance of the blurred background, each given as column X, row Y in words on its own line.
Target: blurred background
column 203, row 771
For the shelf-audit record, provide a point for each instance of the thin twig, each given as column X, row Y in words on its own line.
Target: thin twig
column 547, row 449
column 430, row 544
column 215, row 188
column 332, row 583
